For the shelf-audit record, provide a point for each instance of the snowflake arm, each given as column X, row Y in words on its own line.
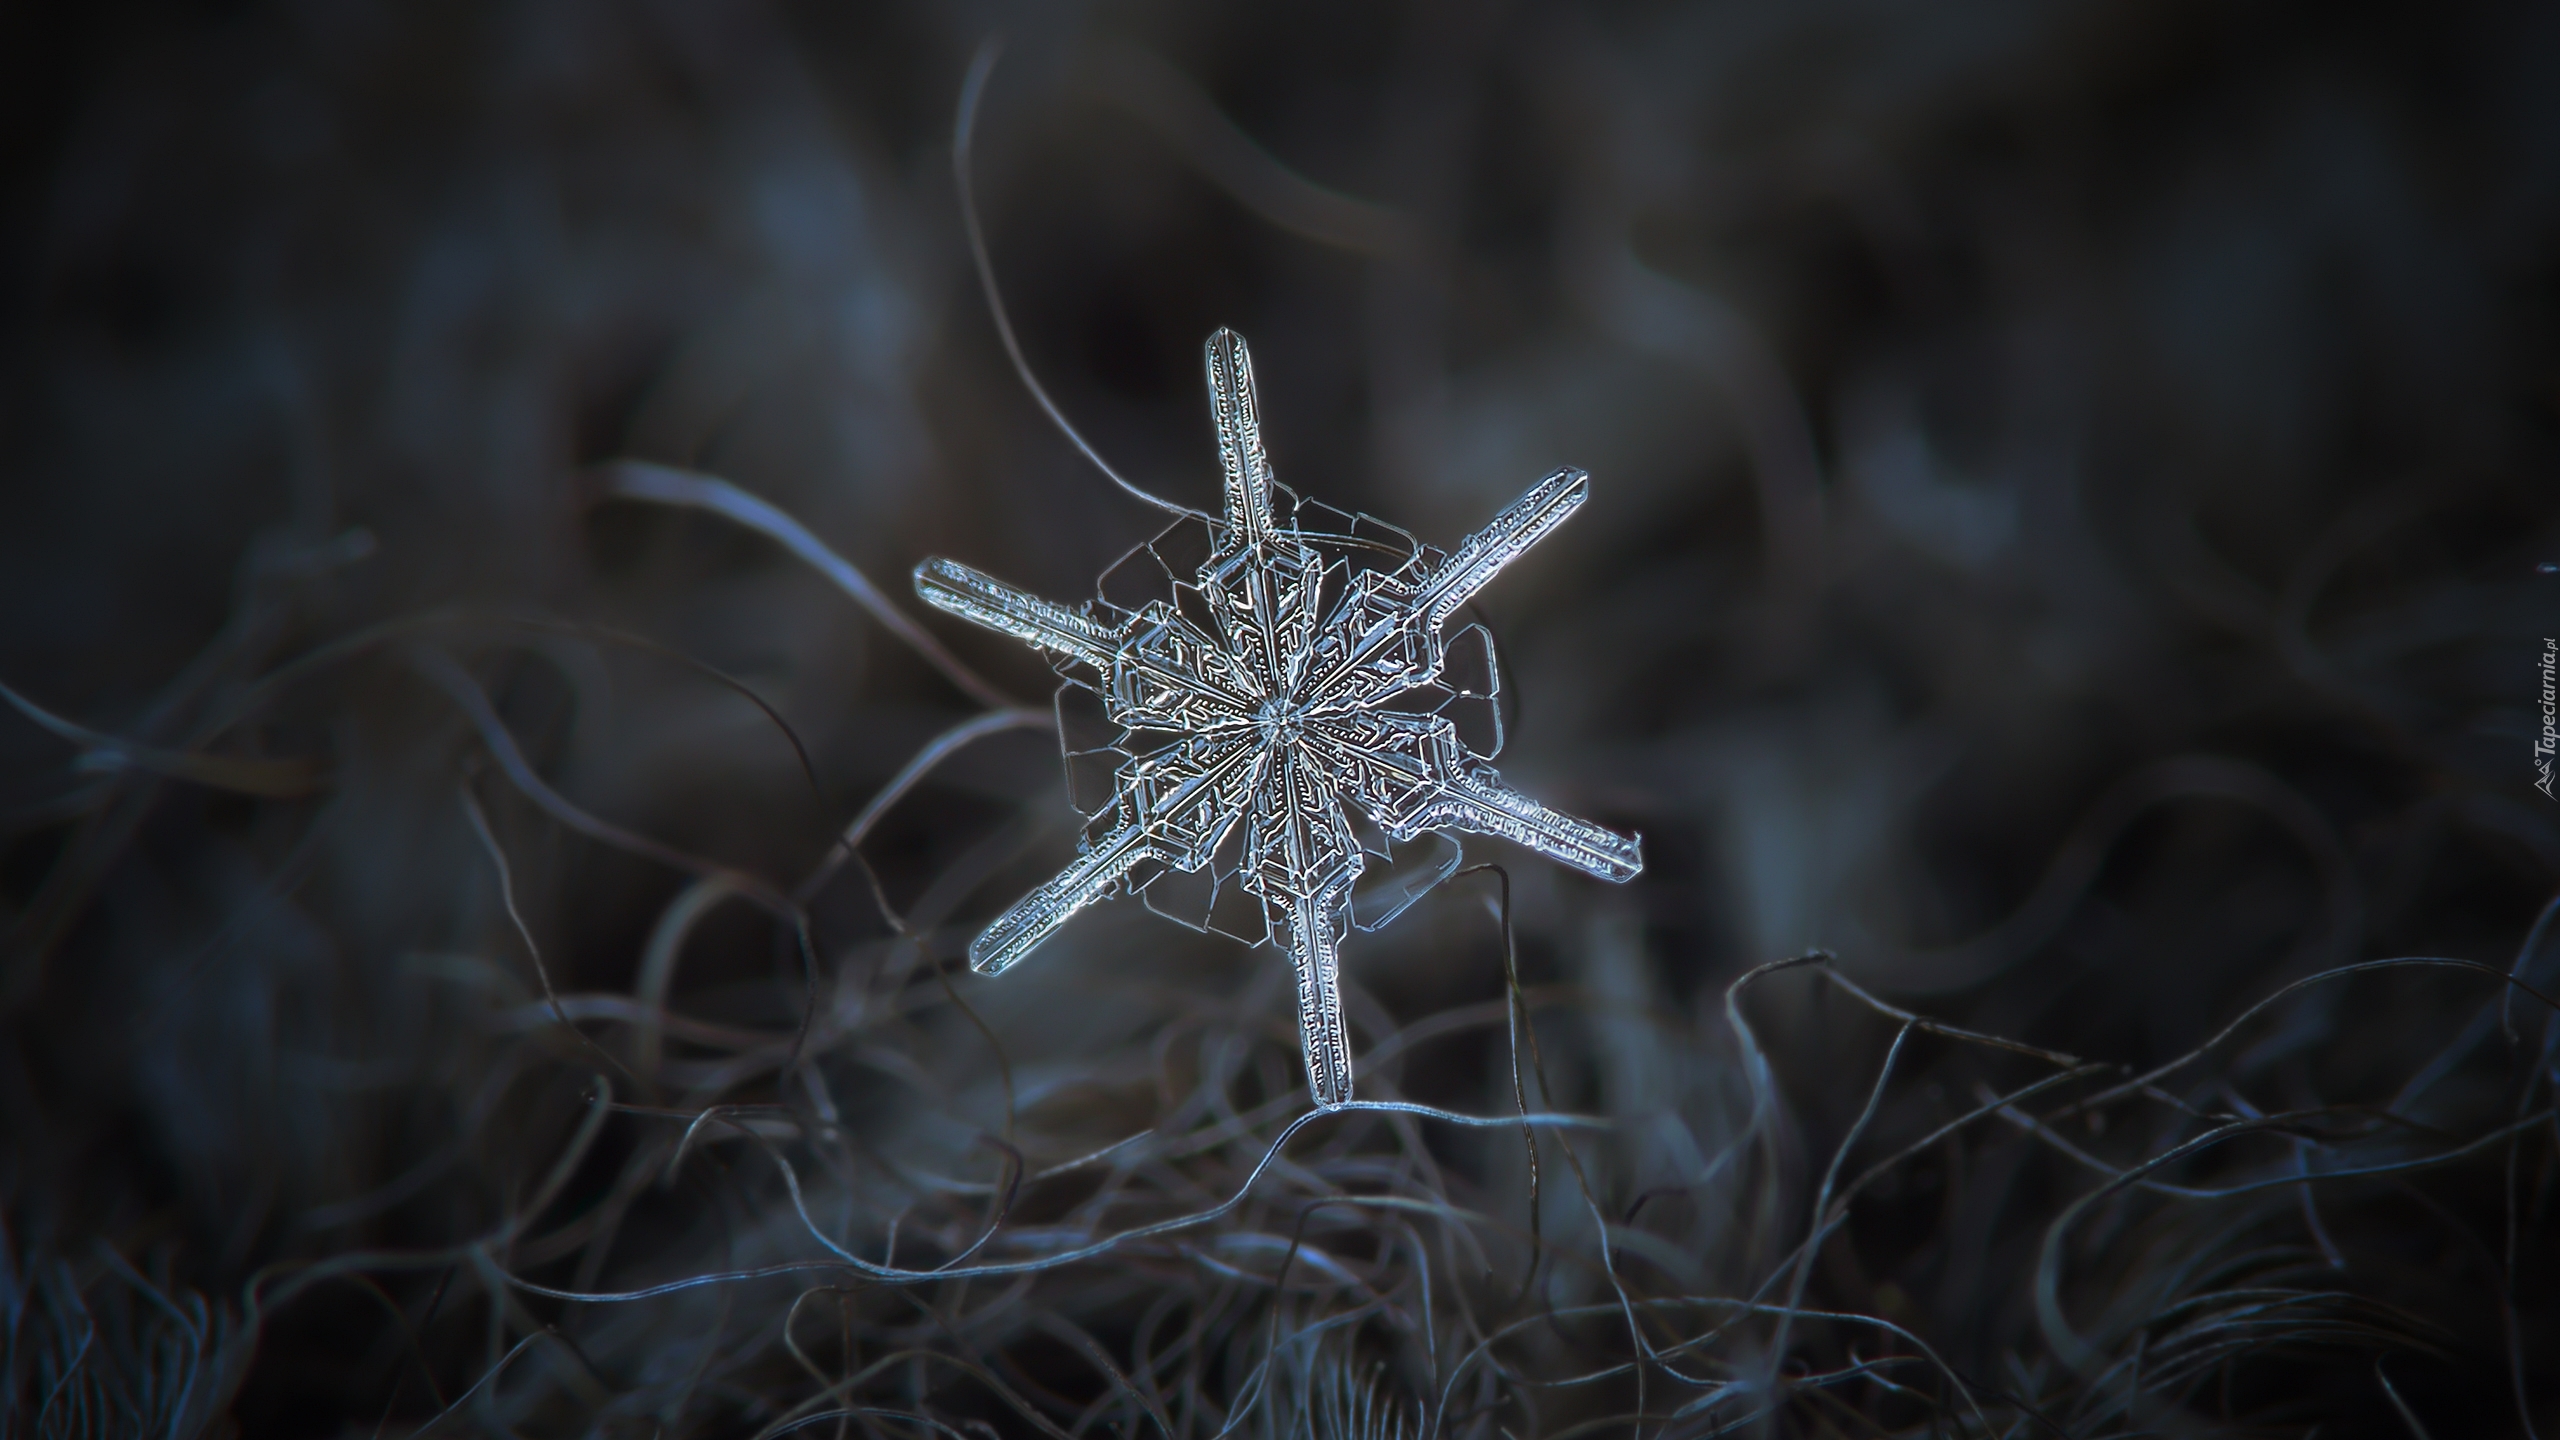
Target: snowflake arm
column 1153, row 672
column 1385, row 635
column 1301, row 857
column 950, row 586
column 1522, row 523
column 1244, row 470
column 1411, row 773
column 1172, row 810
column 1240, row 702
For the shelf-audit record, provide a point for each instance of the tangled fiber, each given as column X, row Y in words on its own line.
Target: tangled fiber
column 487, row 846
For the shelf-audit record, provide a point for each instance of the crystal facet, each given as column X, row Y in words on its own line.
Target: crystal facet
column 1253, row 713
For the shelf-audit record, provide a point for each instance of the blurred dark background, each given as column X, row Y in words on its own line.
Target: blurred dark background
column 2068, row 482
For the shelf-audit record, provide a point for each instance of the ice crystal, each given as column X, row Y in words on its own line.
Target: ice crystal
column 1268, row 724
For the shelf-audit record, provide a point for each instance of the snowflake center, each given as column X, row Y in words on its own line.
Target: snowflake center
column 1279, row 720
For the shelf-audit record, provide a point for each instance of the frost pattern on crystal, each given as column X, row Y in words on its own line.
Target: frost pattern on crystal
column 1267, row 724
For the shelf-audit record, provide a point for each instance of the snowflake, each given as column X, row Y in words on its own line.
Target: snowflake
column 1268, row 724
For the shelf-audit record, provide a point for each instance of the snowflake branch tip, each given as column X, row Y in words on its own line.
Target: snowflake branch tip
column 1523, row 523
column 1245, row 469
column 956, row 589
column 1037, row 916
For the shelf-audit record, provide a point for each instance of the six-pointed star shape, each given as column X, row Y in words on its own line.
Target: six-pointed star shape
column 1271, row 701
